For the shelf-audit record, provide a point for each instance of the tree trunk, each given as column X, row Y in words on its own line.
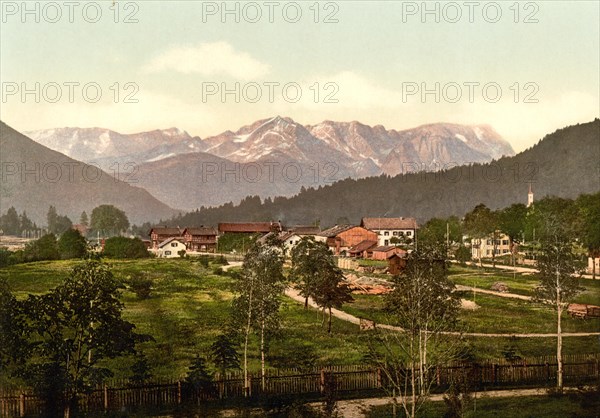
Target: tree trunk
column 559, row 372
column 329, row 323
column 306, row 302
column 248, row 325
column 262, row 355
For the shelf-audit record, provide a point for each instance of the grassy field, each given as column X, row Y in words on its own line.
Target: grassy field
column 189, row 307
column 519, row 284
column 517, row 407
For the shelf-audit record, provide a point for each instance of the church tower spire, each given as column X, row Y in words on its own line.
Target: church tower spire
column 530, row 196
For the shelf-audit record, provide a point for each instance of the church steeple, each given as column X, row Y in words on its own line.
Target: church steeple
column 530, row 196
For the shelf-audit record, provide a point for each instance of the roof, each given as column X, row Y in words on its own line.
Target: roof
column 282, row 236
column 363, row 246
column 168, row 240
column 332, row 232
column 248, row 226
column 203, row 230
column 385, row 248
column 163, row 230
column 389, row 223
column 305, row 230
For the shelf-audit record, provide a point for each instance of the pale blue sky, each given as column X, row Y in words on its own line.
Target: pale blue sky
column 370, row 54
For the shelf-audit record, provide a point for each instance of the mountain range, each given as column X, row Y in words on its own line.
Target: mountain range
column 35, row 177
column 270, row 157
column 565, row 163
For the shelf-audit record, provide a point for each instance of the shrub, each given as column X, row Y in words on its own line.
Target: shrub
column 45, row 248
column 72, row 244
column 141, row 286
column 122, row 247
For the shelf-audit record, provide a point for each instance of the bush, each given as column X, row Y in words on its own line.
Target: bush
column 218, row 271
column 5, row 257
column 72, row 244
column 141, row 286
column 463, row 254
column 203, row 260
column 221, row 260
column 121, row 247
column 45, row 248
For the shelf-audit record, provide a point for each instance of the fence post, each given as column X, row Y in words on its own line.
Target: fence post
column 322, row 383
column 179, row 392
column 379, row 383
column 547, row 372
column 105, row 397
column 22, row 405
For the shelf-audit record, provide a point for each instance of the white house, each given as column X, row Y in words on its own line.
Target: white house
column 484, row 247
column 170, row 248
column 387, row 228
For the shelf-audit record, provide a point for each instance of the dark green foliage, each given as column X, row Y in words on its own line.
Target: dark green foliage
column 221, row 260
column 57, row 224
column 239, row 242
column 204, row 260
column 83, row 219
column 109, row 220
column 199, row 378
column 14, row 331
column 45, row 248
column 181, row 253
column 72, row 244
column 5, row 257
column 141, row 371
column 140, row 285
column 122, row 247
column 463, row 254
column 9, row 223
column 75, row 327
column 330, row 409
column 224, row 354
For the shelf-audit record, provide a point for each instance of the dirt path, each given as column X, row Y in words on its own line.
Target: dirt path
column 358, row 408
column 492, row 292
column 518, row 269
column 293, row 294
column 232, row 264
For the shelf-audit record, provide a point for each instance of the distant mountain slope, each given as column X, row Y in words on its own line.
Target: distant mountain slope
column 565, row 163
column 322, row 154
column 35, row 177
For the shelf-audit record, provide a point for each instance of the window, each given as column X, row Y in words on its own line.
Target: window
column 395, row 233
column 173, row 244
column 504, row 242
column 386, row 242
column 386, row 233
column 167, row 252
column 409, row 233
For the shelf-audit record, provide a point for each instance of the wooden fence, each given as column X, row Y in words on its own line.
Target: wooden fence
column 117, row 395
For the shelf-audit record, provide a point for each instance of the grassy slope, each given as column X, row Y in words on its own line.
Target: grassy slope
column 189, row 307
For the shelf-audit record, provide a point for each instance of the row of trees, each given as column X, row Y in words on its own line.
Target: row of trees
column 107, row 219
column 576, row 219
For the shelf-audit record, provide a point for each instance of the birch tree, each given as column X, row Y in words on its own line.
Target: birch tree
column 558, row 272
column 423, row 304
column 259, row 287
